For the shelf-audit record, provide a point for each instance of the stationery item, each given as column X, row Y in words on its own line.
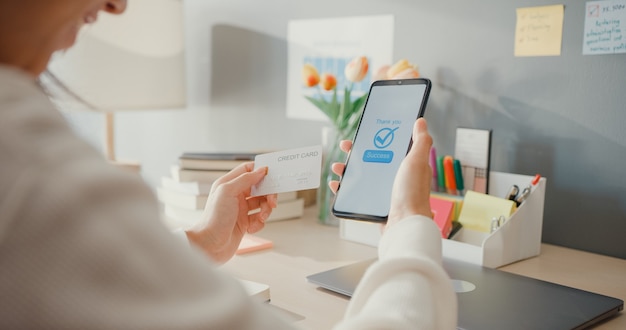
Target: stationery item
column 186, row 217
column 478, row 210
column 443, row 211
column 457, row 200
column 441, row 175
column 186, row 201
column 458, row 175
column 521, row 197
column 456, row 228
column 448, row 168
column 473, row 149
column 513, row 191
column 224, row 161
column 204, row 176
column 189, row 187
column 289, row 170
column 535, row 180
column 250, row 243
column 432, row 161
column 256, row 290
column 497, row 222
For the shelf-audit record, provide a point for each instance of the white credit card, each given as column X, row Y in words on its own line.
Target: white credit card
column 289, row 170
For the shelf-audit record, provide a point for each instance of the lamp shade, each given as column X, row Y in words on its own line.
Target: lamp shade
column 130, row 61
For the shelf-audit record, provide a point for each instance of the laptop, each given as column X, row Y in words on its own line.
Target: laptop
column 494, row 299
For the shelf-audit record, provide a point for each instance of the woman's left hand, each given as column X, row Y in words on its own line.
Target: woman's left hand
column 227, row 215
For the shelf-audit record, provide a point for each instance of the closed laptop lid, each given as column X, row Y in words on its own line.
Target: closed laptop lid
column 494, row 299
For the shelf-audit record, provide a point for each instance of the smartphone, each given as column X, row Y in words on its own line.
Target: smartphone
column 382, row 140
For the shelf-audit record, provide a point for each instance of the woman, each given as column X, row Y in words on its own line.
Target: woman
column 80, row 241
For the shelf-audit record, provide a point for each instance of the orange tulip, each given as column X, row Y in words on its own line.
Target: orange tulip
column 328, row 81
column 356, row 70
column 381, row 74
column 406, row 74
column 402, row 69
column 310, row 77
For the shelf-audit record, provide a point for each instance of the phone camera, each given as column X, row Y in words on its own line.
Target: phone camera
column 399, row 82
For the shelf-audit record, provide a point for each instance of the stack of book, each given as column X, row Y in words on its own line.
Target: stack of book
column 185, row 192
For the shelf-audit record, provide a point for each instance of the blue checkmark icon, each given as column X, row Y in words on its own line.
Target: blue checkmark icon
column 384, row 137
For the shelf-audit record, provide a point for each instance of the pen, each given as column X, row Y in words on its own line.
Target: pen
column 458, row 175
column 524, row 194
column 441, row 175
column 512, row 192
column 535, row 180
column 432, row 161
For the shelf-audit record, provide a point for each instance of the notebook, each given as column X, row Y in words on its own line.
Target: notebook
column 256, row 290
column 494, row 299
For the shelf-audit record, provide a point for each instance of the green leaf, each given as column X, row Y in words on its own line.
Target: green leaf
column 320, row 104
column 356, row 107
column 334, row 107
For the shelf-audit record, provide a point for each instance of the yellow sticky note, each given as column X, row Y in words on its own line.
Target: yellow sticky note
column 539, row 31
column 478, row 210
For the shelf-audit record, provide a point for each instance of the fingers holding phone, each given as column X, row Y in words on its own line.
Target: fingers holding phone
column 411, row 187
column 338, row 168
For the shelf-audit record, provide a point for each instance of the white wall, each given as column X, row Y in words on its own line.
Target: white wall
column 561, row 116
column 240, row 109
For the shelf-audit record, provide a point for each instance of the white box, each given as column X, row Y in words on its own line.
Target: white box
column 518, row 238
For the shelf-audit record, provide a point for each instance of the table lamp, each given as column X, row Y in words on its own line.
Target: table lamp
column 130, row 61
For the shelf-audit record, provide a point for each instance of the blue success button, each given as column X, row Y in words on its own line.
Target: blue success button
column 378, row 156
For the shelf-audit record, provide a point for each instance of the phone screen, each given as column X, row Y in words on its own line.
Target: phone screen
column 382, row 140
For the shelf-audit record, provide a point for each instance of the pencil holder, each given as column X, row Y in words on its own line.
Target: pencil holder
column 518, row 238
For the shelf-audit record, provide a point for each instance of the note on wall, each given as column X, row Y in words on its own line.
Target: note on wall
column 605, row 23
column 539, row 31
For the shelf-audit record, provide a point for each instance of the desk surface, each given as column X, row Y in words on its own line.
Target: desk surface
column 303, row 247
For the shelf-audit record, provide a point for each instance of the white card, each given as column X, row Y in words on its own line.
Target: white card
column 289, row 170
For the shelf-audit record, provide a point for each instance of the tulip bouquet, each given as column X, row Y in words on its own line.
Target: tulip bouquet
column 344, row 114
column 344, row 111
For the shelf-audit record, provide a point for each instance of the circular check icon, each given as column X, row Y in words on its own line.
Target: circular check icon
column 384, row 137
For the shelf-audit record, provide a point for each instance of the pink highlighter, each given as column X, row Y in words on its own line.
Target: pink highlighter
column 432, row 161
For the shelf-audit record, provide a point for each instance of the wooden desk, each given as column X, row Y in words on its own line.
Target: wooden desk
column 303, row 247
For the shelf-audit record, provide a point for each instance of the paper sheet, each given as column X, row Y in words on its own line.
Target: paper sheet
column 605, row 27
column 472, row 148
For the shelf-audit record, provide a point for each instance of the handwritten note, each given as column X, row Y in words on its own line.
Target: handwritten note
column 605, row 26
column 539, row 31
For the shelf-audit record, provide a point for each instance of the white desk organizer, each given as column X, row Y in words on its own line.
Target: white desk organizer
column 518, row 238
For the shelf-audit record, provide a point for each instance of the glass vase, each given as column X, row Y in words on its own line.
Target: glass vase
column 331, row 154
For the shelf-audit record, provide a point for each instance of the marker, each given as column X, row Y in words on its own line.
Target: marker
column 441, row 175
column 535, row 180
column 458, row 175
column 448, row 169
column 432, row 161
column 512, row 192
column 524, row 194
